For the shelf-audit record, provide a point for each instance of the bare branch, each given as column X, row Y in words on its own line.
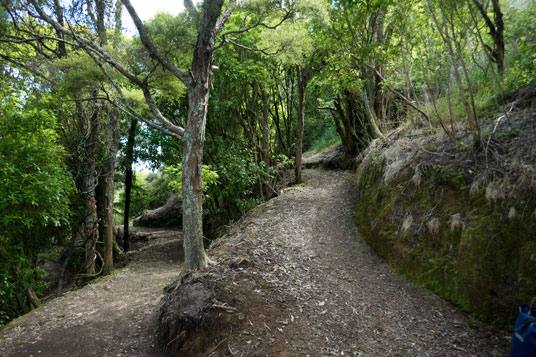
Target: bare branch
column 144, row 37
column 261, row 50
column 98, row 54
column 86, row 44
column 327, row 108
column 167, row 127
column 28, row 68
column 408, row 102
column 259, row 23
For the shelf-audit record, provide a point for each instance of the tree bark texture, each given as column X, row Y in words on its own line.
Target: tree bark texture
column 87, row 187
column 194, row 137
column 109, row 167
column 129, row 158
column 302, row 87
column 192, row 164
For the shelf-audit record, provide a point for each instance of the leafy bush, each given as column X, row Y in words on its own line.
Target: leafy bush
column 149, row 191
column 173, row 176
column 34, row 199
column 521, row 55
column 238, row 178
column 326, row 140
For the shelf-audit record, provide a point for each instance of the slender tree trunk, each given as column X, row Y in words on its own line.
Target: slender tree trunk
column 88, row 185
column 109, row 168
column 444, row 33
column 192, row 161
column 277, row 122
column 129, row 157
column 498, row 39
column 265, row 129
column 302, row 87
column 372, row 116
column 496, row 30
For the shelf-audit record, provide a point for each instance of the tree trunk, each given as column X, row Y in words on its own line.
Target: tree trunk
column 32, row 298
column 194, row 135
column 87, row 187
column 109, row 168
column 129, row 158
column 265, row 146
column 265, row 129
column 496, row 30
column 90, row 211
column 498, row 39
column 302, row 87
column 448, row 38
column 192, row 163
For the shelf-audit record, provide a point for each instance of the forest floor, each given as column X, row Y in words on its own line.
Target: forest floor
column 115, row 315
column 309, row 287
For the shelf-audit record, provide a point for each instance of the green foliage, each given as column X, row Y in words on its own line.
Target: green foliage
column 17, row 273
column 33, row 182
column 327, row 139
column 238, row 177
column 521, row 46
column 173, row 175
column 149, row 191
column 79, row 74
column 34, row 198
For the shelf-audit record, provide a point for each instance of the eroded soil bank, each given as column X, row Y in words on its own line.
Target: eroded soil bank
column 292, row 278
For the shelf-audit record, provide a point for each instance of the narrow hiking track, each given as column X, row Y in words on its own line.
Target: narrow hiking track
column 114, row 316
column 302, row 282
column 317, row 290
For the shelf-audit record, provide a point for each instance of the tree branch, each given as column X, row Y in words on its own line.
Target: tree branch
column 98, row 54
column 148, row 44
column 408, row 102
column 167, row 127
column 259, row 23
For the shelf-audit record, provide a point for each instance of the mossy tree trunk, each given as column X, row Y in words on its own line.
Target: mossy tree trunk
column 192, row 161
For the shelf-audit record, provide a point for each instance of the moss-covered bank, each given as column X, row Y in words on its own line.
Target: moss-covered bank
column 447, row 220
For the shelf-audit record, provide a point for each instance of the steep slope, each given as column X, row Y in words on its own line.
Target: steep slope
column 458, row 220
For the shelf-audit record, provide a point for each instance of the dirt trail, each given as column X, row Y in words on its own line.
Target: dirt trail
column 114, row 316
column 309, row 288
column 318, row 291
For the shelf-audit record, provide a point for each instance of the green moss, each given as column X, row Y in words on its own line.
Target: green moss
column 486, row 266
column 455, row 180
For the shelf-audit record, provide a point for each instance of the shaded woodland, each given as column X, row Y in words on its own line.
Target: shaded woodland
column 219, row 100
